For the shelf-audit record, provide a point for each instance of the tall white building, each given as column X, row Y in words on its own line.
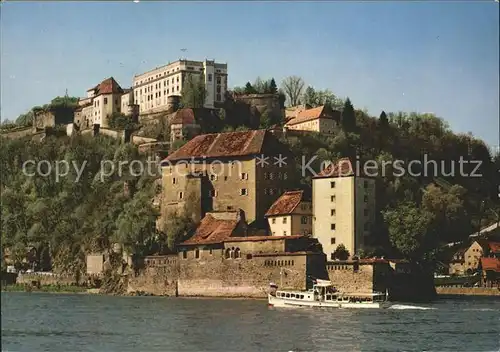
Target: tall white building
column 152, row 88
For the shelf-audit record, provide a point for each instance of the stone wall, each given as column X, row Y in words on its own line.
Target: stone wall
column 45, row 279
column 351, row 278
column 158, row 277
column 468, row 291
column 248, row 276
column 213, row 275
column 17, row 133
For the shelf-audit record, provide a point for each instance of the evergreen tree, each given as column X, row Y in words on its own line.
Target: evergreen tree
column 383, row 121
column 348, row 117
column 273, row 87
column 249, row 89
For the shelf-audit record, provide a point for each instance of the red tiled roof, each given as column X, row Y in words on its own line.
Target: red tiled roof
column 315, row 113
column 230, row 144
column 108, row 86
column 341, row 168
column 212, row 230
column 184, row 117
column 262, row 238
column 286, row 204
column 492, row 264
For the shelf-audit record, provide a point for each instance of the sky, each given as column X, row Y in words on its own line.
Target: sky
column 439, row 57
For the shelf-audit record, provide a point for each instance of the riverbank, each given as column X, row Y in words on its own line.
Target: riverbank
column 467, row 291
column 44, row 288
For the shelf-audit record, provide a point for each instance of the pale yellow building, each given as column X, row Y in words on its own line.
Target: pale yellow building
column 222, row 172
column 343, row 207
column 321, row 119
column 152, row 88
column 290, row 215
column 472, row 257
column 101, row 102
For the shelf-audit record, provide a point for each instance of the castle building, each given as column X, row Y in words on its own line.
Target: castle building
column 343, row 207
column 101, row 102
column 152, row 88
column 183, row 125
column 226, row 172
column 321, row 119
column 290, row 215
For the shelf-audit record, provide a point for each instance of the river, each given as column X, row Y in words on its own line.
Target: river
column 78, row 322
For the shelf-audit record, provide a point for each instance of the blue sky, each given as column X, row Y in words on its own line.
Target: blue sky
column 440, row 57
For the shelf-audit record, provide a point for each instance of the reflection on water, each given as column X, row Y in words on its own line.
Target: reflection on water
column 45, row 322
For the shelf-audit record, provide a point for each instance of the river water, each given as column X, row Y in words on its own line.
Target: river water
column 70, row 323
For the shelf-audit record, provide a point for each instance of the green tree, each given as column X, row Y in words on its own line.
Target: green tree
column 120, row 121
column 249, row 89
column 293, row 86
column 341, row 253
column 383, row 121
column 273, row 88
column 193, row 92
column 348, row 117
column 410, row 230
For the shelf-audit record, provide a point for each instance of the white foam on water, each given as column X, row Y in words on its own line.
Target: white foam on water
column 404, row 306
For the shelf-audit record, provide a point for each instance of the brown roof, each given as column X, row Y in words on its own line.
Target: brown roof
column 341, row 168
column 492, row 264
column 263, row 238
column 184, row 117
column 315, row 113
column 286, row 204
column 212, row 230
column 230, row 144
column 108, row 86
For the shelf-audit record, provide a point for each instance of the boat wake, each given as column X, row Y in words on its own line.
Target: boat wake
column 404, row 306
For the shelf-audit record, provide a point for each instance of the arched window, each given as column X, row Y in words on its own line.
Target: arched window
column 237, row 253
column 228, row 253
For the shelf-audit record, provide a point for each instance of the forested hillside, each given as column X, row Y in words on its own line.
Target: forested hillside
column 65, row 219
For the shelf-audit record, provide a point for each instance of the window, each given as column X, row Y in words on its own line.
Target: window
column 210, row 77
column 333, row 212
column 184, row 255
column 285, row 176
column 213, row 177
column 366, row 199
column 365, row 212
column 211, row 251
column 332, row 184
column 332, row 240
column 219, row 97
column 332, row 226
column 197, row 253
column 212, row 193
column 365, row 184
column 284, row 233
column 303, row 220
column 332, row 198
column 177, row 88
column 243, row 192
column 218, row 80
column 266, row 176
column 284, row 220
column 244, row 176
column 271, row 175
column 273, row 220
column 174, row 180
column 181, row 195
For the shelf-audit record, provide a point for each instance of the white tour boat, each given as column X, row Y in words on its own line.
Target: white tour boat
column 324, row 295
